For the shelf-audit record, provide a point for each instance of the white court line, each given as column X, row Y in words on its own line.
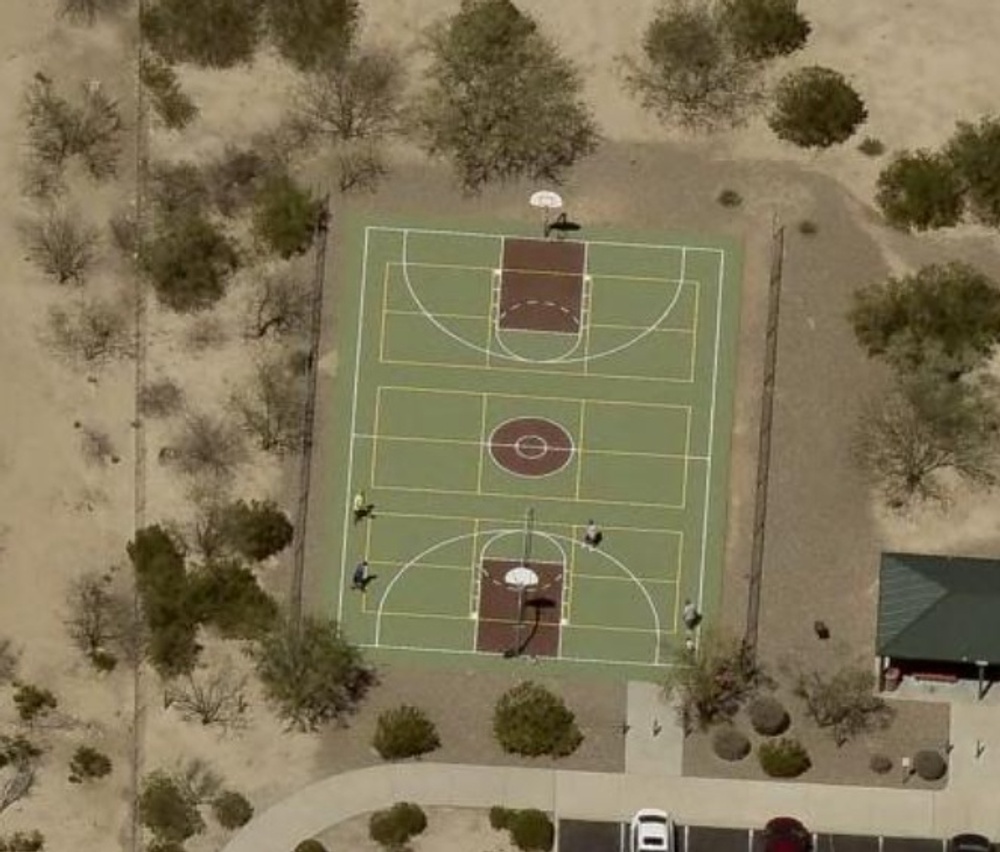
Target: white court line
column 354, row 424
column 580, row 660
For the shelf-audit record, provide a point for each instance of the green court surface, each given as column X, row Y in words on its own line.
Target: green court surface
column 631, row 411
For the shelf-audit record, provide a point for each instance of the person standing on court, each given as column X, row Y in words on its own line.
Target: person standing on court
column 690, row 615
column 361, row 508
column 360, row 580
column 592, row 535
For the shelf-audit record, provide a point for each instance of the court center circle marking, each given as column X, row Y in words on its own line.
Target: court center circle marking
column 489, row 352
column 491, row 443
column 531, row 447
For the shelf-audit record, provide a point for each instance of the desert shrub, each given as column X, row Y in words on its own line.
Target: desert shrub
column 871, row 147
column 531, row 830
column 313, row 33
column 730, row 744
column 844, row 701
column 226, row 595
column 974, row 151
column 189, row 261
column 816, row 107
column 211, row 33
column 807, row 227
column 33, row 702
column 168, row 809
column 17, row 750
column 61, row 244
column 492, row 76
column 690, row 70
column 920, row 190
column 22, row 841
column 880, row 764
column 394, row 827
column 209, row 445
column 405, row 732
column 768, row 716
column 255, row 530
column 360, row 166
column 310, row 845
column 271, row 406
column 178, row 188
column 88, row 11
column 784, row 758
column 530, row 720
column 285, row 216
column 500, row 817
column 174, row 107
column 729, row 198
column 88, row 763
column 279, row 305
column 930, row 765
column 235, row 178
column 92, row 329
column 764, row 29
column 160, row 398
column 231, row 809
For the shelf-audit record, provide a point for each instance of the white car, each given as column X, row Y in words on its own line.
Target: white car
column 651, row 830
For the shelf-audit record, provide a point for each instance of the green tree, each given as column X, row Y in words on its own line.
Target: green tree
column 920, row 190
column 944, row 318
column 690, row 71
column 225, row 595
column 212, row 33
column 816, row 107
column 254, row 530
column 231, row 809
column 189, row 261
column 532, row 721
column 922, row 429
column 88, row 11
column 394, row 827
column 311, row 673
column 169, row 810
column 845, row 702
column 974, row 150
column 404, row 732
column 313, row 34
column 764, row 29
column 285, row 216
column 502, row 103
column 175, row 108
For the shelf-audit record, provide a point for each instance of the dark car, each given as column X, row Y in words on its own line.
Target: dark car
column 969, row 843
column 786, row 834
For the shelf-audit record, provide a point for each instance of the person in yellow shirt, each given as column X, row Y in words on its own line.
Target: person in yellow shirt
column 361, row 507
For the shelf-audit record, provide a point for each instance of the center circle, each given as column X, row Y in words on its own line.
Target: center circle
column 531, row 446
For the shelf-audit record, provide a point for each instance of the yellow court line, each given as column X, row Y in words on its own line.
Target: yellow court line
column 568, row 585
column 680, row 579
column 512, row 622
column 423, row 265
column 530, row 371
column 610, row 578
column 399, row 312
column 638, row 328
column 494, row 288
column 686, row 465
column 536, row 397
column 646, row 279
column 515, row 523
column 373, row 466
column 385, row 307
column 694, row 334
column 524, row 495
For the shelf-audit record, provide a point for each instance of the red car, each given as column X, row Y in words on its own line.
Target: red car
column 786, row 834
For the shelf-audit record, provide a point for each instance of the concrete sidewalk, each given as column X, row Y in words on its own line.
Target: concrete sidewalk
column 614, row 796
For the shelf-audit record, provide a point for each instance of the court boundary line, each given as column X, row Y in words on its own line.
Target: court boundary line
column 574, row 660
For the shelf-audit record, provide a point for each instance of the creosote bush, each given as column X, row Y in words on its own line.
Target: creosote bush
column 871, row 147
column 531, row 721
column 310, row 845
column 730, row 744
column 930, row 765
column 404, row 732
column 729, row 198
column 33, row 702
column 22, row 841
column 783, row 758
column 768, row 716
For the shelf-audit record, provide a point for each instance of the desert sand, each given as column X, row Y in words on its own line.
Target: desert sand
column 920, row 67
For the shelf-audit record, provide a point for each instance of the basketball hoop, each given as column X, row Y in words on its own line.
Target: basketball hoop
column 546, row 200
column 521, row 578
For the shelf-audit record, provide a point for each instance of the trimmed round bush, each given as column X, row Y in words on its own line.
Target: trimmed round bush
column 310, row 845
column 816, row 107
column 531, row 721
column 404, row 732
column 231, row 809
column 880, row 764
column 532, row 830
column 784, row 758
column 730, row 744
column 930, row 765
column 768, row 716
column 500, row 818
column 394, row 827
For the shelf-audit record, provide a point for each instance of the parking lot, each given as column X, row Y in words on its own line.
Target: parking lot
column 582, row 836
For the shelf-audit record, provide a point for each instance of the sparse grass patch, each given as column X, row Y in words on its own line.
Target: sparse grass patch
column 871, row 147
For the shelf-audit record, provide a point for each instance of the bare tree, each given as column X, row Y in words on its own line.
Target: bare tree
column 358, row 98
column 99, row 617
column 272, row 406
column 207, row 445
column 279, row 304
column 215, row 698
column 9, row 657
column 93, row 330
column 360, row 166
column 61, row 244
column 17, row 785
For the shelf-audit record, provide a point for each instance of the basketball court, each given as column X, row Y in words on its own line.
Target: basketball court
column 498, row 390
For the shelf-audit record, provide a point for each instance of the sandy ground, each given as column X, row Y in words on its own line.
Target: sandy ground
column 919, row 66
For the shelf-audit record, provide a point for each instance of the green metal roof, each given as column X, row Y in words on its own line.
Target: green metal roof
column 942, row 608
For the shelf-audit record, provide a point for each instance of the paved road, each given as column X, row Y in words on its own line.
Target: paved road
column 583, row 836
